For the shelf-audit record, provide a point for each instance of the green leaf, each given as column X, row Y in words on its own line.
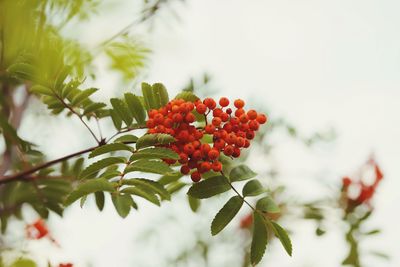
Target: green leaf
column 98, row 165
column 194, row 203
column 155, row 153
column 210, row 187
column 99, row 196
column 253, row 188
column 167, row 179
column 136, row 108
column 260, row 239
column 240, row 173
column 283, row 237
column 117, row 121
column 23, row 71
column 41, row 90
column 149, row 101
column 187, row 96
column 122, row 110
column 144, row 165
column 122, row 204
column 266, row 204
column 160, row 94
column 154, row 186
column 23, row 263
column 92, row 107
column 62, row 75
column 226, row 214
column 128, row 138
column 109, row 148
column 154, row 139
column 83, row 95
column 88, row 187
column 142, row 192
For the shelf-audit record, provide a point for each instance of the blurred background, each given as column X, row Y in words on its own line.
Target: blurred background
column 327, row 74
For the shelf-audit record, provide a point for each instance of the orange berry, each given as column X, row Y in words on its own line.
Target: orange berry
column 243, row 118
column 210, row 129
column 228, row 150
column 239, row 103
column 253, row 125
column 239, row 112
column 223, row 102
column 189, row 118
column 210, row 103
column 150, row 123
column 216, row 121
column 201, row 108
column 216, row 166
column 213, row 154
column 252, row 114
column 205, row 166
column 261, row 118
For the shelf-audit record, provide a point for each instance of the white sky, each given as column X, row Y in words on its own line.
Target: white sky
column 318, row 63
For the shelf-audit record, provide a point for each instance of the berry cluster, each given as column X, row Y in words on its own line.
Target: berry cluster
column 364, row 192
column 230, row 130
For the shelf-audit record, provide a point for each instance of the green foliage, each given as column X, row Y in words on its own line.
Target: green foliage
column 149, row 185
column 153, row 140
column 154, row 96
column 226, row 214
column 149, row 166
column 209, row 187
column 194, row 203
column 252, row 188
column 109, row 148
column 240, row 173
column 266, row 204
column 155, row 153
column 89, row 187
column 260, row 239
column 283, row 237
column 101, row 164
column 122, row 203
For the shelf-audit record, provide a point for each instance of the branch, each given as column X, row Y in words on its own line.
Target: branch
column 24, row 175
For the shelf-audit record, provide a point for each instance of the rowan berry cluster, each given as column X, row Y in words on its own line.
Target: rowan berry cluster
column 37, row 230
column 364, row 191
column 231, row 131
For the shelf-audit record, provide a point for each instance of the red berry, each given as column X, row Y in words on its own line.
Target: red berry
column 223, row 102
column 216, row 166
column 243, row 118
column 210, row 103
column 205, row 166
column 252, row 114
column 183, row 158
column 229, row 111
column 261, row 118
column 216, row 121
column 189, row 118
column 196, row 176
column 236, row 152
column 150, row 123
column 228, row 150
column 224, row 117
column 201, row 108
column 177, row 117
column 250, row 135
column 213, row 154
column 188, row 149
column 197, row 155
column 217, row 112
column 210, row 129
column 253, row 125
column 239, row 112
column 238, row 103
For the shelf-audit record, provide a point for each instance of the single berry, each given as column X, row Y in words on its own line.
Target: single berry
column 223, row 102
column 238, row 103
column 196, row 176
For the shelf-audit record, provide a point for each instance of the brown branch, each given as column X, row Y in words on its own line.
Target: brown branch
column 24, row 175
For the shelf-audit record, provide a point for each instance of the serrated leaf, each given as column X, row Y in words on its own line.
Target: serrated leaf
column 154, row 139
column 122, row 204
column 283, row 237
column 98, row 165
column 154, row 153
column 252, row 188
column 210, row 187
column 99, row 197
column 23, row 71
column 260, row 239
column 149, row 101
column 62, row 75
column 167, row 179
column 89, row 187
column 150, row 185
column 194, row 203
column 41, row 90
column 226, row 214
column 266, row 204
column 92, row 107
column 160, row 94
column 144, row 165
column 141, row 192
column 241, row 173
column 128, row 138
column 109, row 148
column 83, row 95
column 122, row 110
column 187, row 96
column 117, row 121
column 136, row 108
